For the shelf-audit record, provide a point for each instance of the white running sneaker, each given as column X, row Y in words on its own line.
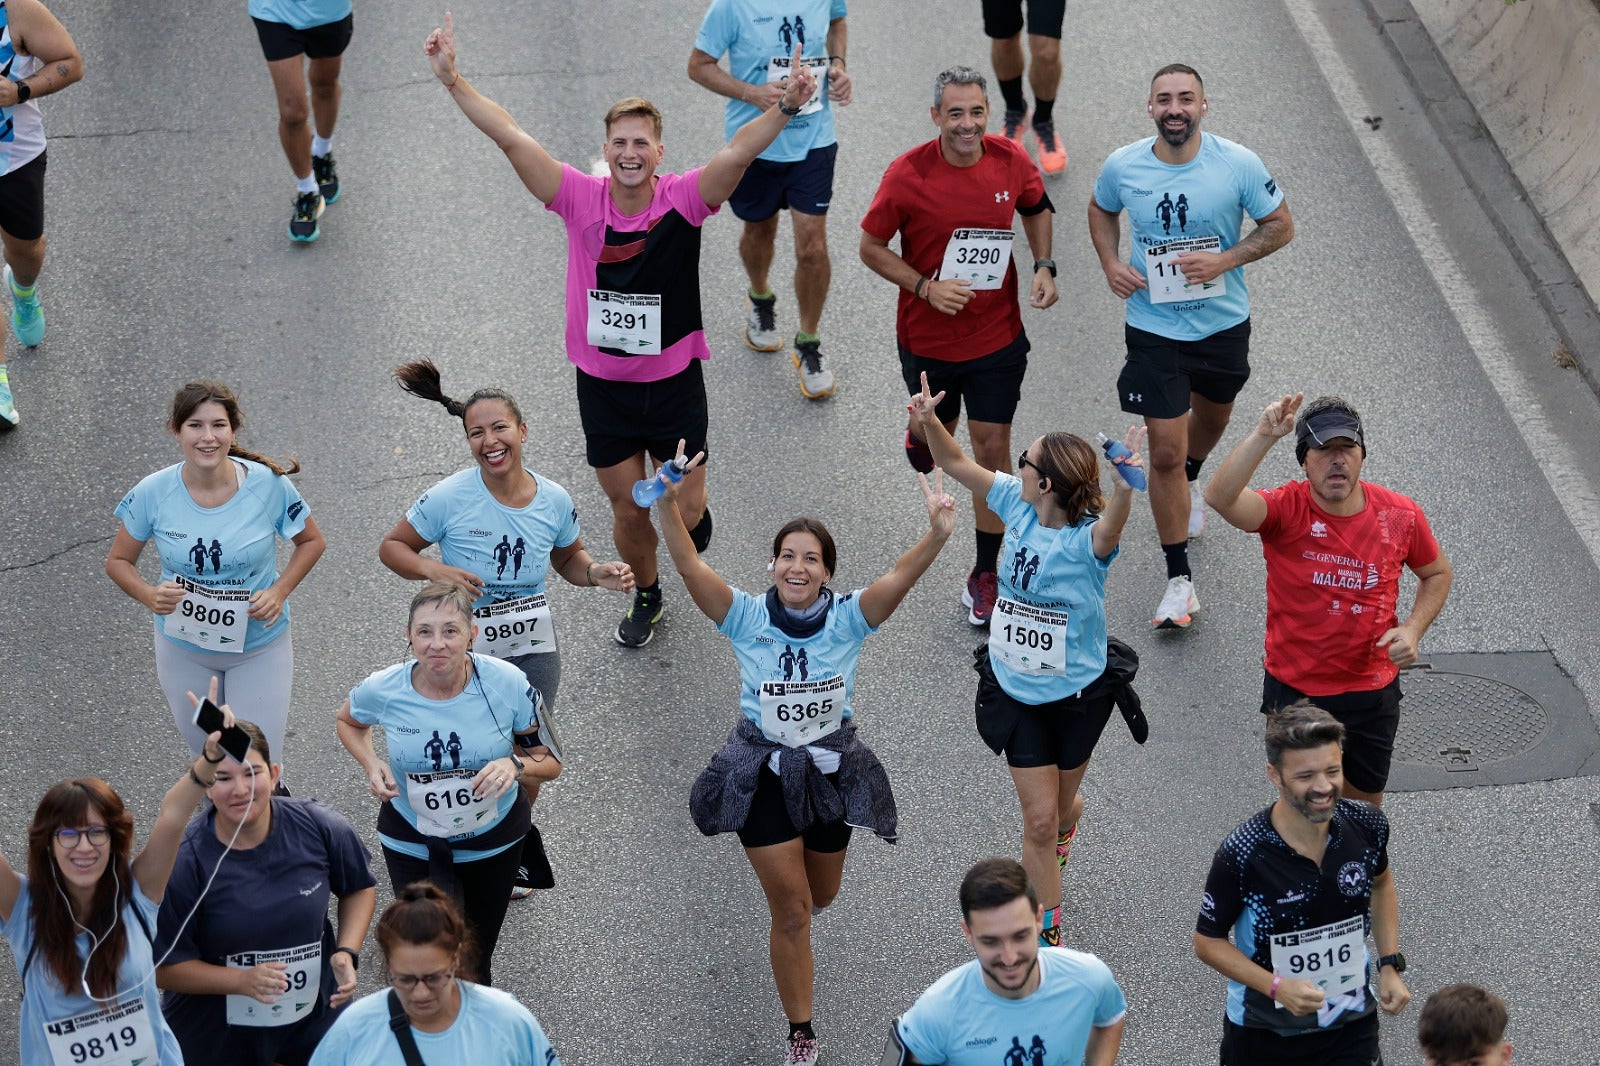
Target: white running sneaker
column 1197, row 509
column 1178, row 605
column 761, row 327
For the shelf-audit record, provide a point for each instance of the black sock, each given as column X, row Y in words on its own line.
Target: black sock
column 1011, row 92
column 1177, row 559
column 1191, row 468
column 1041, row 111
column 701, row 533
column 803, row 1028
column 652, row 589
column 988, row 553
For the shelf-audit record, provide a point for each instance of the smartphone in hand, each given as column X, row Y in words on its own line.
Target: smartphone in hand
column 235, row 741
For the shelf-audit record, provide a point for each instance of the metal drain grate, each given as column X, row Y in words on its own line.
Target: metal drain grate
column 1461, row 721
column 1491, row 718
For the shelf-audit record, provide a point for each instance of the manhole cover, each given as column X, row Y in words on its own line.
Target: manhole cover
column 1462, row 721
column 1491, row 718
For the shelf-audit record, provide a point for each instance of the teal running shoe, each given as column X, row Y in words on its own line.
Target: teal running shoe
column 307, row 209
column 8, row 409
column 27, row 317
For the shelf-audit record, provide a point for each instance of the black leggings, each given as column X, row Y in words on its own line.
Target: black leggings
column 483, row 889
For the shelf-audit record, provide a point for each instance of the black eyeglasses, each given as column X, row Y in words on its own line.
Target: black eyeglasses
column 406, row 981
column 68, row 837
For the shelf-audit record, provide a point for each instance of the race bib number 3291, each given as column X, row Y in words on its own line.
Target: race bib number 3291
column 629, row 322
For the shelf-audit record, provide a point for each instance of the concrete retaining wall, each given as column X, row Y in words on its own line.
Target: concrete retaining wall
column 1532, row 71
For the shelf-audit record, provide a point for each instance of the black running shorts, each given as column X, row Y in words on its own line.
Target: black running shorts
column 1003, row 18
column 1370, row 720
column 281, row 41
column 22, row 200
column 768, row 822
column 991, row 385
column 1062, row 733
column 1161, row 373
column 623, row 418
column 1355, row 1044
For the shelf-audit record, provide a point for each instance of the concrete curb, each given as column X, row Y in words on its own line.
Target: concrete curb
column 1493, row 182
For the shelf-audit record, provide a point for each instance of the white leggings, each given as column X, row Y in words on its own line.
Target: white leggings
column 255, row 684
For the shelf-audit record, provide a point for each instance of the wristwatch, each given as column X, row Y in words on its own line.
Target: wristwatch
column 1397, row 960
column 518, row 763
column 1047, row 264
column 24, row 91
column 787, row 110
column 355, row 956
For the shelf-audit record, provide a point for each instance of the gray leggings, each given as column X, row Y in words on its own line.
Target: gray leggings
column 543, row 673
column 255, row 684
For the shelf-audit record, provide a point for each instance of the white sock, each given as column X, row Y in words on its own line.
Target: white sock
column 307, row 184
column 321, row 145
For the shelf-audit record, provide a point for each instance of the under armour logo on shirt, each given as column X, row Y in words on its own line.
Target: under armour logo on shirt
column 1001, row 197
column 1136, row 397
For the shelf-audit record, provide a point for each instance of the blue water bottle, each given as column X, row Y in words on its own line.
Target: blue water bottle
column 1114, row 450
column 650, row 489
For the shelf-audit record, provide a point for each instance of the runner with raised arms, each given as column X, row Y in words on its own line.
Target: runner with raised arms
column 221, row 607
column 793, row 778
column 258, row 974
column 633, row 322
column 1045, row 690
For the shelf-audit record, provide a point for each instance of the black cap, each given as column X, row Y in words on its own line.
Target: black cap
column 1327, row 425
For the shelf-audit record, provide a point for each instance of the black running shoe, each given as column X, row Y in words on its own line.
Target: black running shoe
column 639, row 624
column 303, row 225
column 327, row 176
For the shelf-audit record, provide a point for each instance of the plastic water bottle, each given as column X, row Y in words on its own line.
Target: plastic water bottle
column 650, row 489
column 1114, row 450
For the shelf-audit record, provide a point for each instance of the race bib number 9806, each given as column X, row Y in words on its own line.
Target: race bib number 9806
column 211, row 618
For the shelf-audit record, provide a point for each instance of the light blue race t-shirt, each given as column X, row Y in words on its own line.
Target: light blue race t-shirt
column 491, row 1027
column 301, row 14
column 433, row 739
column 796, row 670
column 754, row 32
column 233, row 547
column 1044, row 574
column 508, row 548
column 1206, row 197
column 960, row 1022
column 100, row 1030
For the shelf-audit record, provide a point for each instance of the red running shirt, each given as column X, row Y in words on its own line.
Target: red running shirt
column 1332, row 584
column 925, row 199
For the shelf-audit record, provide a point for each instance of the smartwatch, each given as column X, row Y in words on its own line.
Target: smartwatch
column 1047, row 264
column 518, row 763
column 24, row 91
column 1397, row 960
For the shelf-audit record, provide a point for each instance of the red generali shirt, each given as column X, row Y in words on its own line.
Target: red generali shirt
column 925, row 199
column 1332, row 584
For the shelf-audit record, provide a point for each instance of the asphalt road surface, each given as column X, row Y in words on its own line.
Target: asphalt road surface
column 168, row 197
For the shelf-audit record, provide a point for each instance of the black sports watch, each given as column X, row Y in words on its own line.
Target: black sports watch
column 24, row 91
column 1048, row 264
column 355, row 956
column 1397, row 960
column 518, row 763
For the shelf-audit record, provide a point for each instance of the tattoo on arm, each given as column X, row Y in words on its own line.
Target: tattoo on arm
column 62, row 70
column 1262, row 241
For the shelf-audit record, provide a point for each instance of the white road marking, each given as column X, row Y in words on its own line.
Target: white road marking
column 1573, row 489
